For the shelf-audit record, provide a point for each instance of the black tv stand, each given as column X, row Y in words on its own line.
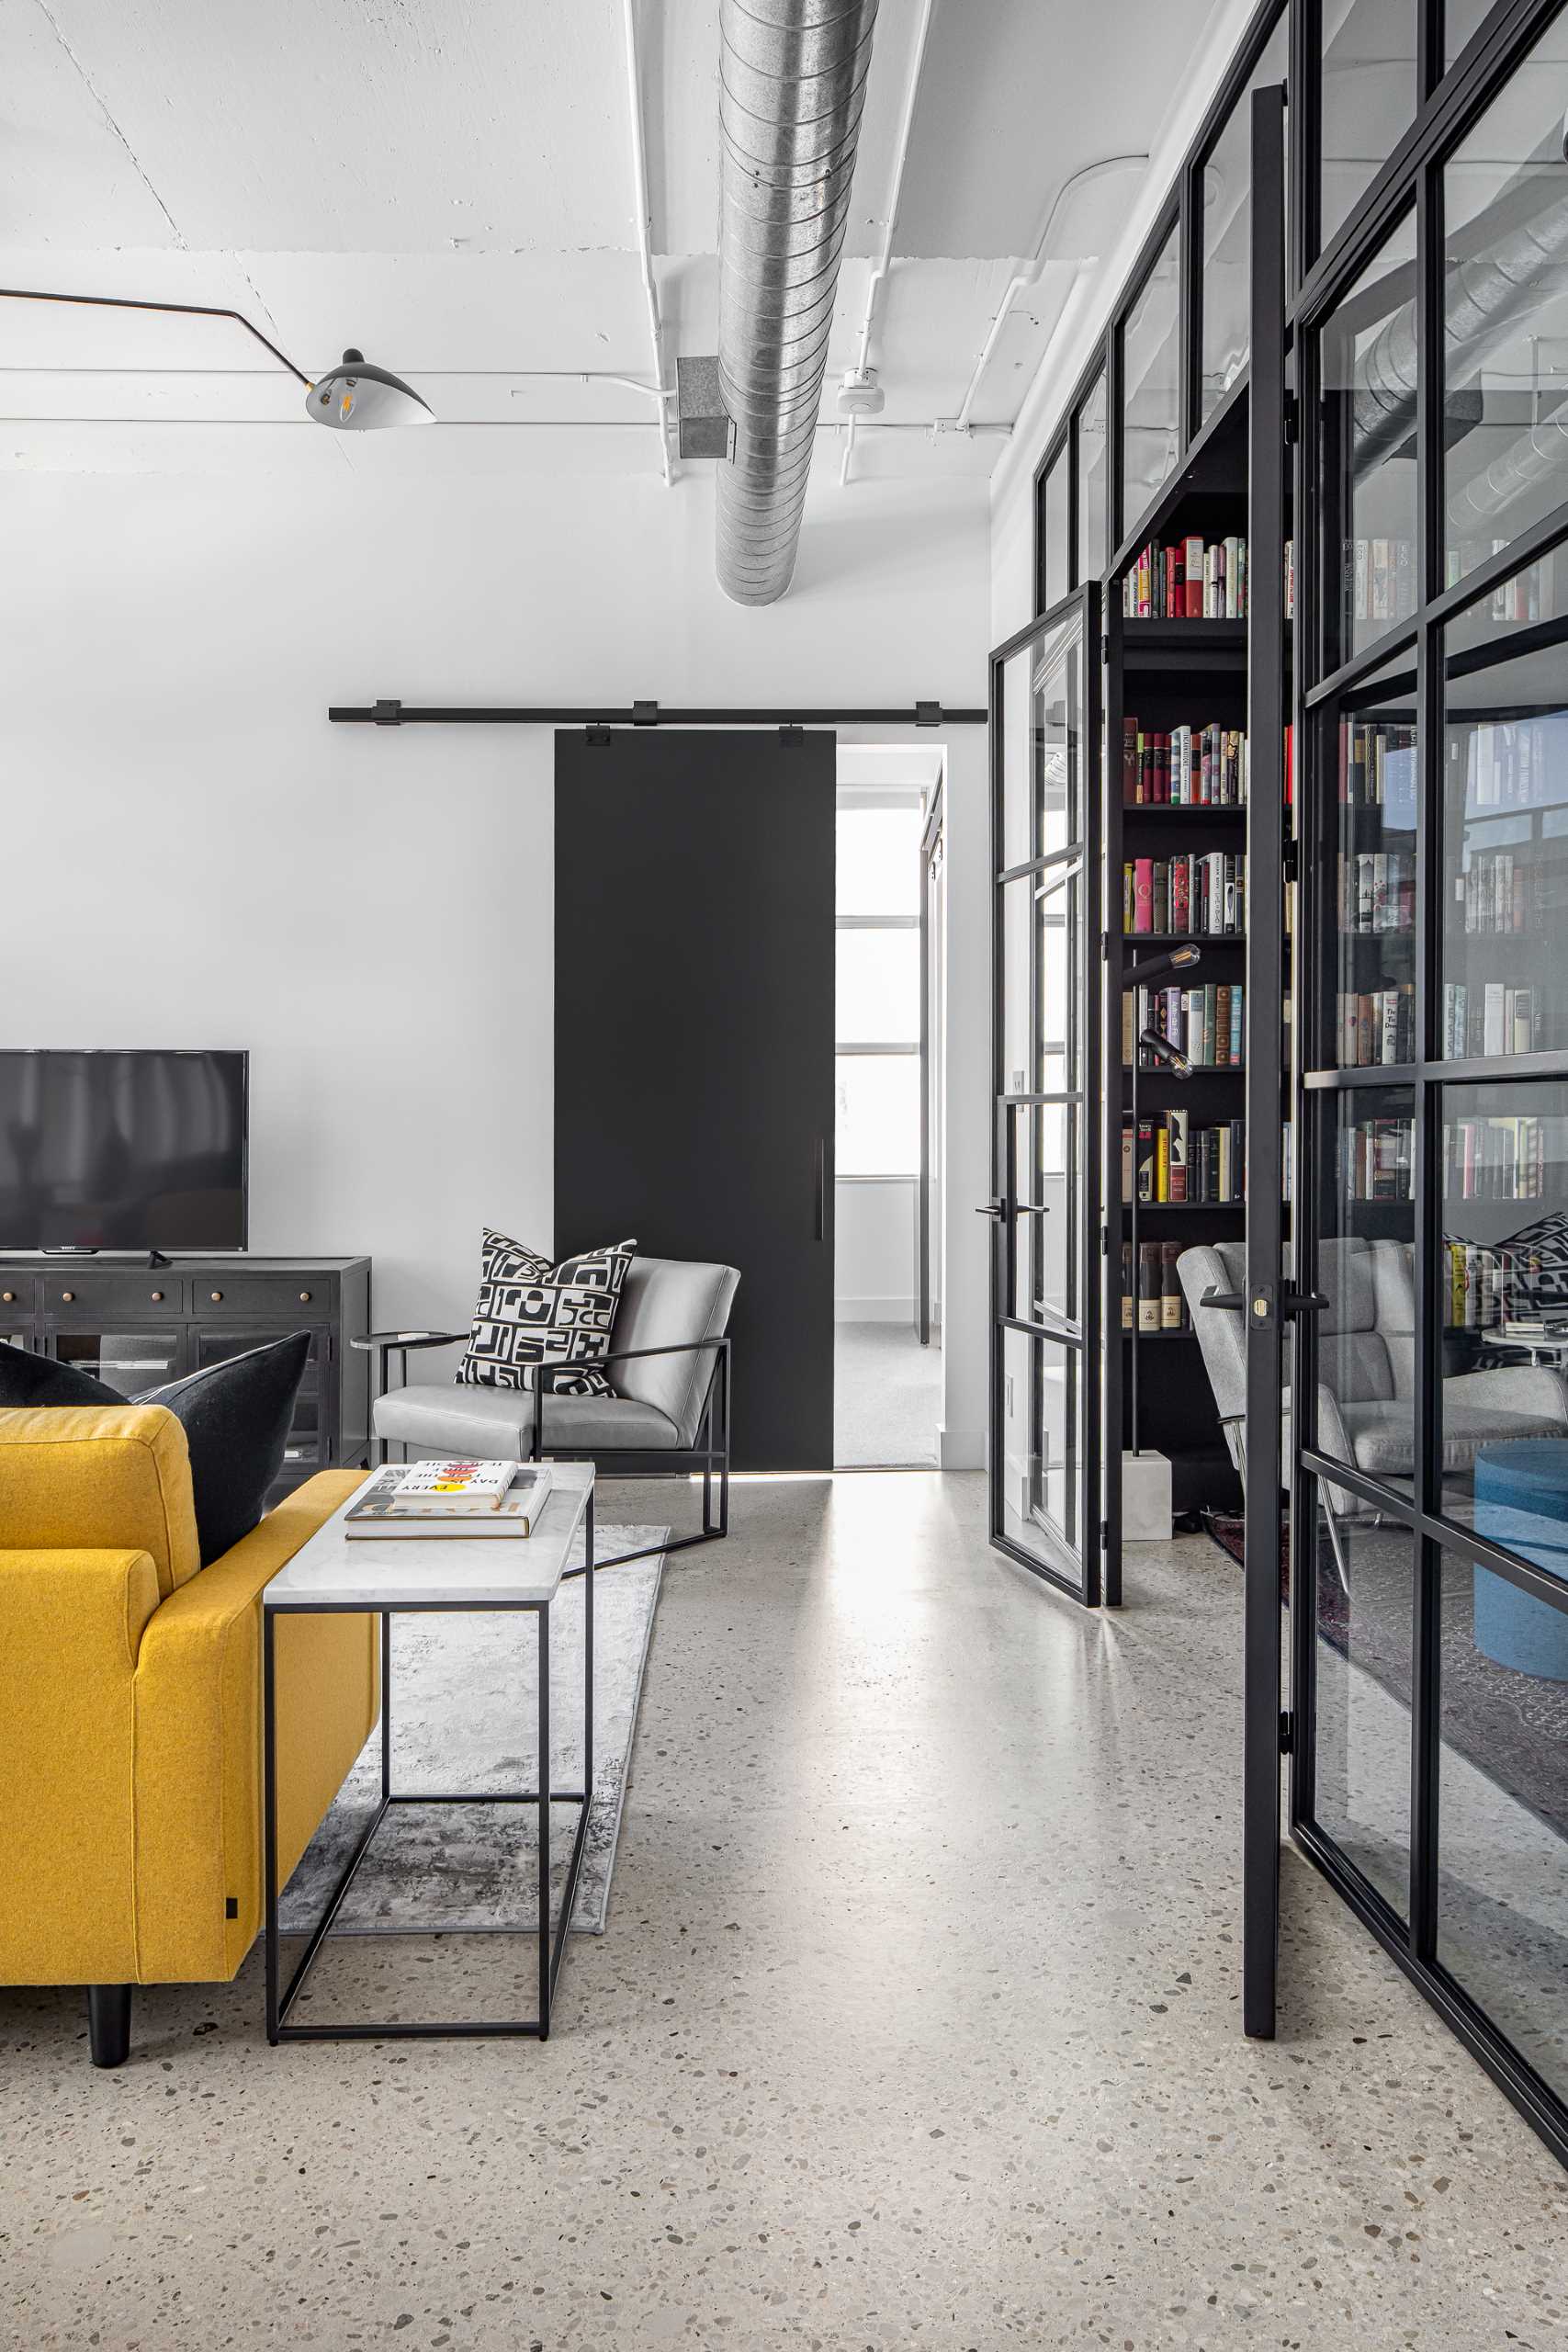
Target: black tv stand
column 155, row 1259
column 136, row 1327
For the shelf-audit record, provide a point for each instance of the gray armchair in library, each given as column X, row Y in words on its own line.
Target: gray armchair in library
column 1366, row 1405
column 670, row 1415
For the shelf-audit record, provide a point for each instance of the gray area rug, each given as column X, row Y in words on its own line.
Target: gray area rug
column 465, row 1716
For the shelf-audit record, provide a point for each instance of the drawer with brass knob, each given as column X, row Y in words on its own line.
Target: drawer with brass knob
column 263, row 1297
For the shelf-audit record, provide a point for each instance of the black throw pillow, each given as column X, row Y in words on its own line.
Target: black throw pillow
column 236, row 1416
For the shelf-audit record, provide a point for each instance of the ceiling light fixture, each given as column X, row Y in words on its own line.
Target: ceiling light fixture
column 357, row 398
column 352, row 398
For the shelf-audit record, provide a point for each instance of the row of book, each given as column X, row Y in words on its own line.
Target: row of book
column 1377, row 769
column 1206, row 894
column 1518, row 599
column 1183, row 767
column 1495, row 1019
column 1502, row 892
column 1511, row 763
column 1377, row 1026
column 1186, row 580
column 1377, row 891
column 1208, row 1024
column 1376, row 1160
column 1158, row 1298
column 1482, row 1288
column 1177, row 1163
column 1494, row 1159
column 1379, row 579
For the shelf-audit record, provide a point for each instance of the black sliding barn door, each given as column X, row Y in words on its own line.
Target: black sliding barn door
column 695, row 1099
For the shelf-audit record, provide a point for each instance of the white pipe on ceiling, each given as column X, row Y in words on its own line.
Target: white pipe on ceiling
column 1030, row 275
column 900, row 157
column 644, row 235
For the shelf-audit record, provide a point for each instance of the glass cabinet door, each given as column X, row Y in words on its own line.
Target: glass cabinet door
column 1151, row 386
column 129, row 1361
column 1045, row 1310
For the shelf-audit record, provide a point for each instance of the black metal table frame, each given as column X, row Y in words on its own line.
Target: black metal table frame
column 550, row 1949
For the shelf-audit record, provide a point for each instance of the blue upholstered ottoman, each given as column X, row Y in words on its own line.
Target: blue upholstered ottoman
column 1521, row 1500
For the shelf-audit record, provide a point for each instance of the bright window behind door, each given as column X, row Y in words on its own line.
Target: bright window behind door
column 878, row 1058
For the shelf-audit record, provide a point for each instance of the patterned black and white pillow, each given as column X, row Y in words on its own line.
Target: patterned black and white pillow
column 531, row 1313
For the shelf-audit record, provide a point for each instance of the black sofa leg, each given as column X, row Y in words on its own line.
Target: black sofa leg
column 109, row 2023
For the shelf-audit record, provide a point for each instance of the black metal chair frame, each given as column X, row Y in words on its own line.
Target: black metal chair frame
column 710, row 1454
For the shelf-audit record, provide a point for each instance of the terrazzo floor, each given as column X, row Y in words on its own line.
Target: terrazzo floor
column 915, row 2023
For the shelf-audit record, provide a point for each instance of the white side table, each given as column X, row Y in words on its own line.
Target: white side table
column 338, row 1574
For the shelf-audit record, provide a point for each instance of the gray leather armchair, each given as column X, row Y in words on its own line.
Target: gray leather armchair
column 1367, row 1359
column 670, row 1415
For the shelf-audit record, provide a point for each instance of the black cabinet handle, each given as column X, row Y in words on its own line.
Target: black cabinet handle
column 990, row 1208
column 821, row 1188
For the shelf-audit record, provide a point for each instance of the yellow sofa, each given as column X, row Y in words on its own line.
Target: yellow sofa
column 130, row 1788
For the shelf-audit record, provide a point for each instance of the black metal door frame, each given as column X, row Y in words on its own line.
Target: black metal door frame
column 1082, row 1337
column 1270, row 1299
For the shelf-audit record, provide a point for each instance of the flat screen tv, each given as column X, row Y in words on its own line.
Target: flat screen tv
column 122, row 1152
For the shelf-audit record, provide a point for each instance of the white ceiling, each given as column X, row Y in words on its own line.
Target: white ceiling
column 448, row 185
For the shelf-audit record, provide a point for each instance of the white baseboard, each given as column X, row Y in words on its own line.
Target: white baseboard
column 961, row 1449
column 873, row 1311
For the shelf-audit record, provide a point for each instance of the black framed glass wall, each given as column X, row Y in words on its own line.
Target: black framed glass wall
column 1430, row 1521
column 1044, row 1477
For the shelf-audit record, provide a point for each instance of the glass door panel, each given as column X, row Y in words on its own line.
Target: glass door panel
column 1505, row 306
column 1094, row 482
column 1041, row 1492
column 1365, row 1615
column 1151, row 382
column 1367, row 99
column 1367, row 451
column 1227, row 235
column 129, row 1361
column 1044, row 1427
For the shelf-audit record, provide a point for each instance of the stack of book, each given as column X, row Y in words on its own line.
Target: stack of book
column 1184, row 767
column 1207, row 1024
column 1206, row 895
column 1177, row 1162
column 1377, row 1026
column 1493, row 1019
column 1480, row 1291
column 1503, row 893
column 1379, row 579
column 1377, row 1159
column 1494, row 1159
column 1190, row 580
column 1511, row 763
column 1377, row 890
column 444, row 1499
column 1160, row 1304
column 1518, row 599
column 1377, row 769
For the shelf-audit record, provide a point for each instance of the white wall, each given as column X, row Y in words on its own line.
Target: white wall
column 1012, row 495
column 193, row 857
column 874, row 1254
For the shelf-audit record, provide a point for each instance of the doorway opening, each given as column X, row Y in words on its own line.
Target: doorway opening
column 887, row 1289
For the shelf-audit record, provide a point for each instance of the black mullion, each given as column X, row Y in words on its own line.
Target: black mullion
column 1100, row 1582
column 1070, row 459
column 1428, row 49
column 1113, row 1093
column 1188, row 307
column 1306, row 139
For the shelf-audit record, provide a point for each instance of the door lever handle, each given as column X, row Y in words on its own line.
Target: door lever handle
column 990, row 1208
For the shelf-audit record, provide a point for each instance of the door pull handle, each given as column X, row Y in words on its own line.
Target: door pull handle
column 990, row 1208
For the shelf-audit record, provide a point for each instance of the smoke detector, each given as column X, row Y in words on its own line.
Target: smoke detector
column 859, row 394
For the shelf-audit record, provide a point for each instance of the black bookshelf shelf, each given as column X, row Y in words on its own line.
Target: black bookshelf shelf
column 1184, row 939
column 1228, row 812
column 1164, row 645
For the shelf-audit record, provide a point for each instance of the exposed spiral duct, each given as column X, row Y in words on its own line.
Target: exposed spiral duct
column 792, row 86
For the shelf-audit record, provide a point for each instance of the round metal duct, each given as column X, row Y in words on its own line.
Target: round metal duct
column 791, row 90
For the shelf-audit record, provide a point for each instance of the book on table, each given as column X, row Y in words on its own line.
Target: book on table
column 383, row 1509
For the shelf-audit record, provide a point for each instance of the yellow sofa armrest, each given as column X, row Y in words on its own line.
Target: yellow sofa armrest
column 198, row 1738
column 71, row 1626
